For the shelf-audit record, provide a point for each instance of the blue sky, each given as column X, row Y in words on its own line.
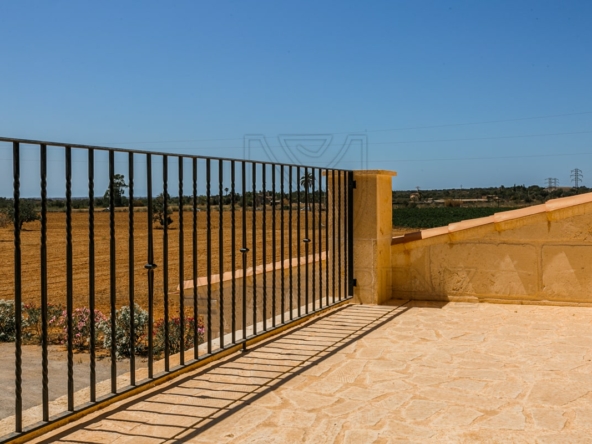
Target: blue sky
column 416, row 78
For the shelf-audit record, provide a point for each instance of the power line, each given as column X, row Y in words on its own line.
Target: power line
column 476, row 123
column 446, row 125
column 466, row 139
column 445, row 159
column 482, row 138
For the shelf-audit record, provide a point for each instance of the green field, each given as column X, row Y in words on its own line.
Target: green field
column 439, row 216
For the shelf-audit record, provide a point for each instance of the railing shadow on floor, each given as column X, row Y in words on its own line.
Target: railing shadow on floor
column 189, row 406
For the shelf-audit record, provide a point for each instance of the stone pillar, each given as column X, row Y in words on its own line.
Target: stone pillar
column 373, row 225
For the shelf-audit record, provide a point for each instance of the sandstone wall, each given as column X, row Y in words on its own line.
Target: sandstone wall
column 540, row 254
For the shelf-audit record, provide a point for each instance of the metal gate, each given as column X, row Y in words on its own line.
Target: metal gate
column 130, row 266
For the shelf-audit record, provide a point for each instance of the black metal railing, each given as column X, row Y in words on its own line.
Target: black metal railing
column 116, row 290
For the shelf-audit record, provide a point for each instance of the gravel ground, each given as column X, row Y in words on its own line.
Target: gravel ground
column 58, row 381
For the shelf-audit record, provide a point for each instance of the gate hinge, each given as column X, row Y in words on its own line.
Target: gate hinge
column 354, row 184
column 355, row 282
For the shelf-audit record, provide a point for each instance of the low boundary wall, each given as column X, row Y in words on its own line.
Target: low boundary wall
column 540, row 255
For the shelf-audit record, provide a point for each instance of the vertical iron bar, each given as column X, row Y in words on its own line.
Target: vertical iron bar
column 333, row 233
column 91, row 271
column 314, row 246
column 44, row 299
column 327, row 258
column 131, row 264
column 165, row 258
column 69, row 279
column 209, row 250
column 320, row 228
column 233, row 246
column 273, row 246
column 264, row 243
column 181, row 269
column 298, row 241
column 282, row 245
column 112, row 271
column 244, row 249
column 254, row 236
column 16, row 169
column 350, row 234
column 150, row 266
column 339, row 240
column 344, row 240
column 306, row 235
column 194, row 254
column 221, row 249
column 290, row 228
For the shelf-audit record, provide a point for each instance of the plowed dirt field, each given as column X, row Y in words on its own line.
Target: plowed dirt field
column 57, row 265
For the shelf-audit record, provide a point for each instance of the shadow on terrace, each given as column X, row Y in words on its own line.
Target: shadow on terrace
column 190, row 405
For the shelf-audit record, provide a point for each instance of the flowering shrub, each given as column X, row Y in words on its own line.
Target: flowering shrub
column 32, row 331
column 57, row 321
column 174, row 337
column 7, row 321
column 30, row 323
column 122, row 331
column 81, row 318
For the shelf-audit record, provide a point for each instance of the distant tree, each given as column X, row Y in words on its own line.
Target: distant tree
column 99, row 201
column 160, row 213
column 307, row 180
column 119, row 186
column 28, row 212
column 56, row 203
column 4, row 219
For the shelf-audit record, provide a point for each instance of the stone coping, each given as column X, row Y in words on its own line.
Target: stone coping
column 260, row 269
column 375, row 173
column 367, row 173
column 549, row 206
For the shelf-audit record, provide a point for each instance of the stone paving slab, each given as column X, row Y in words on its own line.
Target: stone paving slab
column 421, row 372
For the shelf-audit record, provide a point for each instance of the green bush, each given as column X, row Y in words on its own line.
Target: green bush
column 174, row 336
column 7, row 321
column 123, row 347
column 27, row 212
column 32, row 331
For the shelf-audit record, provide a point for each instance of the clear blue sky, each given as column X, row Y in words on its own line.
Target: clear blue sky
column 171, row 76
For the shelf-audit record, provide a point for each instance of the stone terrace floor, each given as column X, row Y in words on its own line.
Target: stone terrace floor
column 413, row 373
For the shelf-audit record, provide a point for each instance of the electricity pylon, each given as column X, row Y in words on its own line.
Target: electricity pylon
column 551, row 183
column 576, row 177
